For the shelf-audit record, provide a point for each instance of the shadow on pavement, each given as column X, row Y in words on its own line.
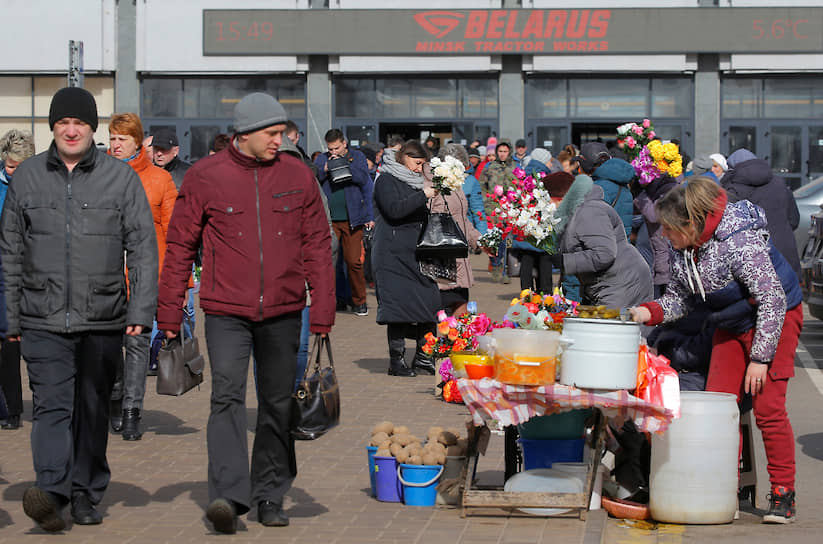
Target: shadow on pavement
column 198, row 492
column 5, row 519
column 812, row 445
column 159, row 422
column 377, row 366
column 305, row 505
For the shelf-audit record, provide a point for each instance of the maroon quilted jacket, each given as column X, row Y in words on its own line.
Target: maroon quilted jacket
column 264, row 235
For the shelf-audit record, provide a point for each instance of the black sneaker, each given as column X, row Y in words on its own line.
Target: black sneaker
column 361, row 310
column 223, row 515
column 271, row 514
column 781, row 506
column 44, row 508
column 83, row 511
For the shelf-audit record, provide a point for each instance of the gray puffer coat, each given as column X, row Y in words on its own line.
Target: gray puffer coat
column 595, row 249
column 64, row 238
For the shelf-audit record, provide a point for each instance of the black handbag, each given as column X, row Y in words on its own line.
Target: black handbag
column 339, row 170
column 179, row 366
column 316, row 402
column 441, row 238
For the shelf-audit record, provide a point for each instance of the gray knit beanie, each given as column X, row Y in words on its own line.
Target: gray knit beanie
column 541, row 155
column 257, row 111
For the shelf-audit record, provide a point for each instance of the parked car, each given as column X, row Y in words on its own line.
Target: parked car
column 811, row 266
column 809, row 198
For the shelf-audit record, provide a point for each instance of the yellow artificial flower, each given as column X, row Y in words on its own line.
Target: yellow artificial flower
column 670, row 152
column 662, row 165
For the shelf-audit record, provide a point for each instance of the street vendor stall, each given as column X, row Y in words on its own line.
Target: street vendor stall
column 509, row 405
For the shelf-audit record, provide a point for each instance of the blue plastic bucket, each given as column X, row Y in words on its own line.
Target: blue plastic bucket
column 419, row 483
column 542, row 453
column 371, row 450
column 387, row 486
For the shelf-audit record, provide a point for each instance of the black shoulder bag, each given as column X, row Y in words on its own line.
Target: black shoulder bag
column 316, row 402
column 441, row 238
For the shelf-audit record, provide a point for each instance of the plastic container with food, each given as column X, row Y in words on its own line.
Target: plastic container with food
column 525, row 357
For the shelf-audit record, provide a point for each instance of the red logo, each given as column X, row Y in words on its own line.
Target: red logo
column 438, row 23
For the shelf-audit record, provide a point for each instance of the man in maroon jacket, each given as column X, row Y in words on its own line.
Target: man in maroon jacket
column 264, row 233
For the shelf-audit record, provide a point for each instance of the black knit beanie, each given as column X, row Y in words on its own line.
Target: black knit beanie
column 73, row 102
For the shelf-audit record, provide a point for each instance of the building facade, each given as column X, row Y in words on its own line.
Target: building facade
column 715, row 74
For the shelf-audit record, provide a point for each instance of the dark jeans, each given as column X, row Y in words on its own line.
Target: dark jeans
column 135, row 365
column 10, row 377
column 230, row 341
column 71, row 377
column 542, row 262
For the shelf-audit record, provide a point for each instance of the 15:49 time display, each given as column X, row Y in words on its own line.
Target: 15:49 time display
column 234, row 31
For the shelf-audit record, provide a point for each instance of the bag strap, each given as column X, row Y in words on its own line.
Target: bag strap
column 619, row 190
column 446, row 202
column 316, row 353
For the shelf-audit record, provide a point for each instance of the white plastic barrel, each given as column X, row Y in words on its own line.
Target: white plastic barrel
column 694, row 463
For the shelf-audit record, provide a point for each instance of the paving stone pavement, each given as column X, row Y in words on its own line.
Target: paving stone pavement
column 158, row 491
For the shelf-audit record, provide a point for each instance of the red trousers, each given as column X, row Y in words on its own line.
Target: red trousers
column 730, row 357
column 351, row 244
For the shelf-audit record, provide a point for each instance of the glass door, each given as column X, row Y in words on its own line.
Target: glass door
column 785, row 148
column 741, row 137
column 552, row 138
column 814, row 164
column 359, row 135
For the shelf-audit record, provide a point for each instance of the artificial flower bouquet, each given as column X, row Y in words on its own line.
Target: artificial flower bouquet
column 534, row 311
column 656, row 159
column 635, row 137
column 525, row 211
column 491, row 239
column 456, row 333
column 448, row 174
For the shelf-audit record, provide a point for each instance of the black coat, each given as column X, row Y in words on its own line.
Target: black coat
column 404, row 295
column 753, row 180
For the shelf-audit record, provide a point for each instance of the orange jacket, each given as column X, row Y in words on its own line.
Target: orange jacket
column 161, row 193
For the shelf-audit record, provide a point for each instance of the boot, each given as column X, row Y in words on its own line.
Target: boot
column 131, row 424
column 397, row 359
column 116, row 415
column 424, row 362
column 496, row 271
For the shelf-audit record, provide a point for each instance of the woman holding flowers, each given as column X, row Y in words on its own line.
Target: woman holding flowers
column 725, row 258
column 407, row 301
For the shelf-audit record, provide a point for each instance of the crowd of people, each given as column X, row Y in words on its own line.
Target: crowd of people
column 98, row 252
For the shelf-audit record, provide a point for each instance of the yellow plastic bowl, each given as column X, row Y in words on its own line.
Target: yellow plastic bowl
column 459, row 360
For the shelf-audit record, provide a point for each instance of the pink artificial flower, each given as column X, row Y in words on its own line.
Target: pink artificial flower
column 646, row 123
column 498, row 190
column 637, row 130
column 631, row 142
column 441, row 315
column 651, row 135
column 519, row 173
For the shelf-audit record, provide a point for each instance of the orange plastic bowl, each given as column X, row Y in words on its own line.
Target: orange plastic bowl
column 476, row 372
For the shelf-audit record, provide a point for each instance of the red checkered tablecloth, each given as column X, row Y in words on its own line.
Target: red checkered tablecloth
column 516, row 404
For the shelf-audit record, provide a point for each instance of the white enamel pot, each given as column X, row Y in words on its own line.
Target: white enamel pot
column 599, row 353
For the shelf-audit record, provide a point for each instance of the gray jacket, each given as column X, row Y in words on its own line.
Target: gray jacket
column 177, row 167
column 595, row 249
column 64, row 238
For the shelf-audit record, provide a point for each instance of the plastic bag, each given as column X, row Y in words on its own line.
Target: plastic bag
column 663, row 387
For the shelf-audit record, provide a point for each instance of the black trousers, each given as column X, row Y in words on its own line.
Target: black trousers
column 530, row 261
column 10, row 377
column 71, row 377
column 274, row 342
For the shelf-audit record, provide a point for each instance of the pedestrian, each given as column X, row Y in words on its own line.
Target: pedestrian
column 166, row 150
column 614, row 176
column 125, row 133
column 521, row 154
column 15, row 147
column 72, row 216
column 260, row 218
column 474, row 195
column 724, row 256
column 499, row 172
column 644, row 202
column 407, row 300
column 350, row 205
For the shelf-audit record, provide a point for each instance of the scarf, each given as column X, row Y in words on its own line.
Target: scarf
column 391, row 166
column 572, row 200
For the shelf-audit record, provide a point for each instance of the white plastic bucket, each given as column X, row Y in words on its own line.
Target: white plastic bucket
column 694, row 463
column 581, row 471
column 601, row 353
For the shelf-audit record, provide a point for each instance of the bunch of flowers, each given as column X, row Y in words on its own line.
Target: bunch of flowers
column 447, row 174
column 492, row 239
column 526, row 211
column 456, row 333
column 540, row 312
column 635, row 137
column 657, row 159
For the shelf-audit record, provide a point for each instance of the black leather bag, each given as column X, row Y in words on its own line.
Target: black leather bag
column 441, row 238
column 339, row 170
column 179, row 366
column 316, row 402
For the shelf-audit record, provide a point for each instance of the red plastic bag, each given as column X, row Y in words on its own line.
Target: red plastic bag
column 663, row 387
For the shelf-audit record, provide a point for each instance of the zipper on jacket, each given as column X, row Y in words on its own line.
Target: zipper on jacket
column 259, row 238
column 68, row 251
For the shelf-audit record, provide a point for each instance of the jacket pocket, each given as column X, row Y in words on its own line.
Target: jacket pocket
column 36, row 299
column 40, row 218
column 106, row 299
column 287, row 207
column 101, row 219
column 226, row 219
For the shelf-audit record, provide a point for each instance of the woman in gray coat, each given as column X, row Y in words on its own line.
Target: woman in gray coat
column 595, row 249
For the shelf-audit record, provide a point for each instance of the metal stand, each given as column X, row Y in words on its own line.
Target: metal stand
column 475, row 496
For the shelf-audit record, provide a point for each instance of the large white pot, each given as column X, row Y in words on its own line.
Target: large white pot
column 600, row 353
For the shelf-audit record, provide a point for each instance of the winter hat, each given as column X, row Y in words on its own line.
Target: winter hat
column 721, row 160
column 541, row 155
column 491, row 142
column 558, row 184
column 482, row 150
column 73, row 102
column 256, row 111
column 370, row 153
column 591, row 150
column 473, row 152
column 703, row 163
column 741, row 155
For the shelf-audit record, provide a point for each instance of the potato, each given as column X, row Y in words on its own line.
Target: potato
column 383, row 427
column 402, row 456
column 383, row 453
column 395, row 449
column 401, row 429
column 415, row 448
column 455, row 431
column 429, row 458
column 415, row 460
column 447, row 438
column 441, row 459
column 378, row 438
column 396, row 438
column 433, row 433
column 435, row 447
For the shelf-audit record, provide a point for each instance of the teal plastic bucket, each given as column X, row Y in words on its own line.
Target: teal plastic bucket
column 370, row 451
column 419, row 483
column 565, row 425
column 542, row 453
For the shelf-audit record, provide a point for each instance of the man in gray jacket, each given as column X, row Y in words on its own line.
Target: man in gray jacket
column 73, row 218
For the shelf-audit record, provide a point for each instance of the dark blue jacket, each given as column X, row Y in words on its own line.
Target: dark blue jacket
column 358, row 191
column 536, row 167
column 614, row 176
